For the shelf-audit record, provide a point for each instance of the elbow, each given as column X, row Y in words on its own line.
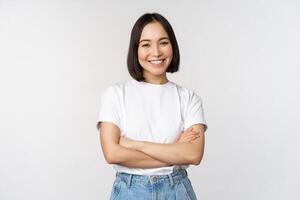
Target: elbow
column 110, row 155
column 196, row 160
column 109, row 159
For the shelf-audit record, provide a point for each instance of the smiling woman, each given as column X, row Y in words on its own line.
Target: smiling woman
column 151, row 129
column 154, row 52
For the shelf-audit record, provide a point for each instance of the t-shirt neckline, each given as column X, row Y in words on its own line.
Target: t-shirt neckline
column 151, row 85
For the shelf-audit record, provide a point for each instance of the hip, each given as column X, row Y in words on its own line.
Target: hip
column 176, row 185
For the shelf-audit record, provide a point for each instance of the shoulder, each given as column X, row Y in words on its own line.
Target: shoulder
column 116, row 88
column 187, row 93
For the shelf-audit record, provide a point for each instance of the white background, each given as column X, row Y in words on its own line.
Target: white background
column 241, row 57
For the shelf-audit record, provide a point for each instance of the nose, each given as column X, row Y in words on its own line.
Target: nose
column 156, row 51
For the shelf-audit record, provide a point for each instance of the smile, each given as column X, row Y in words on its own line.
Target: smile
column 156, row 61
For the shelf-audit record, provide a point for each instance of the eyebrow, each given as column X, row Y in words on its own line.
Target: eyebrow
column 147, row 40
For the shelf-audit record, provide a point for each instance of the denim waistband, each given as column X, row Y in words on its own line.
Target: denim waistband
column 176, row 176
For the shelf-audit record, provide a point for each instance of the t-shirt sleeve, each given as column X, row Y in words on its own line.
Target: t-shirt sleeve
column 194, row 111
column 109, row 110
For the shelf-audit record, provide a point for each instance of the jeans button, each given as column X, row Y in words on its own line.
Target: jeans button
column 154, row 179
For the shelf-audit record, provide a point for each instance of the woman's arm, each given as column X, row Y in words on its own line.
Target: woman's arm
column 135, row 159
column 174, row 153
column 114, row 153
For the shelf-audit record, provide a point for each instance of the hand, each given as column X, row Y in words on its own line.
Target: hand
column 188, row 135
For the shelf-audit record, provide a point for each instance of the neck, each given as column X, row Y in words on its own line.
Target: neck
column 150, row 78
column 156, row 80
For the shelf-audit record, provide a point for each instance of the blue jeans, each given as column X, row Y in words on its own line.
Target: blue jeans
column 159, row 187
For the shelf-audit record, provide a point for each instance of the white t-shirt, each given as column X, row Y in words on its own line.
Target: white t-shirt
column 150, row 112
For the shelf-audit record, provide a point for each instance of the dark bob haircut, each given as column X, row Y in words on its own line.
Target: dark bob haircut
column 133, row 65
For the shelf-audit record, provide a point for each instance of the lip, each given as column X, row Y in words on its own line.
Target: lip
column 157, row 59
column 151, row 61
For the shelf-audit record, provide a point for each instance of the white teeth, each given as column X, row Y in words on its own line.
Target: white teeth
column 156, row 61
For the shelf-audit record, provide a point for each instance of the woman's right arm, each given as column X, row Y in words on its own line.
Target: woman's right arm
column 114, row 153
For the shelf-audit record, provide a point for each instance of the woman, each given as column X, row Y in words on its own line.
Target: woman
column 151, row 129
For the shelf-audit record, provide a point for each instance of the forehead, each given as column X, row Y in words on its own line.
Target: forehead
column 153, row 31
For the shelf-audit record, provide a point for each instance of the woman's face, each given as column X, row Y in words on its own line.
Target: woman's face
column 154, row 51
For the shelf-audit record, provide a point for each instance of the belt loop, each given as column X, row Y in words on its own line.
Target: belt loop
column 171, row 179
column 185, row 172
column 129, row 180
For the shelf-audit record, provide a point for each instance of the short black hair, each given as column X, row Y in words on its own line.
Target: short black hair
column 133, row 65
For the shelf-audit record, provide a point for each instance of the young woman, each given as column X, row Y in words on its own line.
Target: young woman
column 151, row 129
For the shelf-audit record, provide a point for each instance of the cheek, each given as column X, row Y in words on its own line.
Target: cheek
column 169, row 51
column 141, row 55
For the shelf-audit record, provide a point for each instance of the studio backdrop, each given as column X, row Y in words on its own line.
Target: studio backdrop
column 241, row 57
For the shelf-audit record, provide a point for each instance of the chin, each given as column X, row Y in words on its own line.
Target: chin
column 158, row 72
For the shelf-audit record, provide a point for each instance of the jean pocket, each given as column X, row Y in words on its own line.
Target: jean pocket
column 188, row 189
column 116, row 188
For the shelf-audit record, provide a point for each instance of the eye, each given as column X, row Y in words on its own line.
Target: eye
column 145, row 45
column 164, row 43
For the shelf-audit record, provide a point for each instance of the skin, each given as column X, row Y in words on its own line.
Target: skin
column 154, row 45
column 187, row 136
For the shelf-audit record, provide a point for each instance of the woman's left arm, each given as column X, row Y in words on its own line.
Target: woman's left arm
column 173, row 153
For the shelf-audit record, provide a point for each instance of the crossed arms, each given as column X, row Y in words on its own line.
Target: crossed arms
column 188, row 149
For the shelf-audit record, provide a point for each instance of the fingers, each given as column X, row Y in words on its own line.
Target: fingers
column 189, row 131
column 192, row 137
column 193, row 132
column 188, row 136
